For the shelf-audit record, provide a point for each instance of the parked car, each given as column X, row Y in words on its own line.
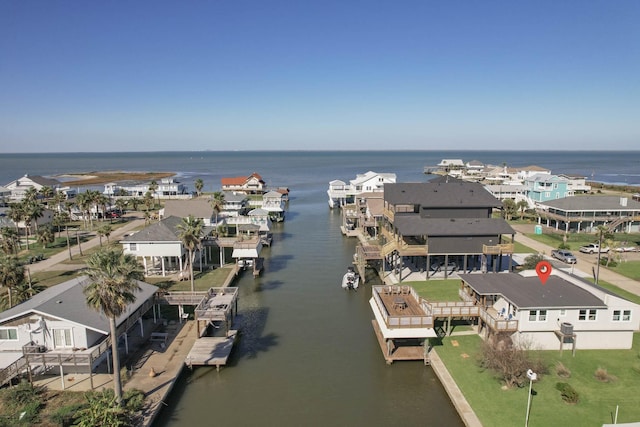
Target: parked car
column 627, row 247
column 564, row 256
column 593, row 248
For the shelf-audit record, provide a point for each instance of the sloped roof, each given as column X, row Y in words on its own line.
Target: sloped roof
column 593, row 203
column 438, row 194
column 414, row 225
column 534, row 168
column 67, row 301
column 240, row 180
column 199, row 208
column 530, row 293
column 363, row 177
column 539, row 177
column 163, row 231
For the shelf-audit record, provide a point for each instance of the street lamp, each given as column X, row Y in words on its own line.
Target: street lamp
column 532, row 377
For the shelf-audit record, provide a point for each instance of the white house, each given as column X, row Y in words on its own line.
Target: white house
column 167, row 188
column 565, row 311
column 340, row 193
column 274, row 203
column 159, row 247
column 57, row 321
column 19, row 187
column 252, row 184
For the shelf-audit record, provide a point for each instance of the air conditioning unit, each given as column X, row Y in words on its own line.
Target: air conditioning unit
column 566, row 328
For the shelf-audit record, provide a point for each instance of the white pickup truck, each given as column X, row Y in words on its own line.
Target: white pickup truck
column 593, row 248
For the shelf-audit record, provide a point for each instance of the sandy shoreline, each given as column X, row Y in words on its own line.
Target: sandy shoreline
column 103, row 177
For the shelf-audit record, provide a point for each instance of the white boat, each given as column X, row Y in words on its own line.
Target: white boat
column 351, row 279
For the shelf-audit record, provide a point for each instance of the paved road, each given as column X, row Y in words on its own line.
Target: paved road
column 54, row 262
column 586, row 262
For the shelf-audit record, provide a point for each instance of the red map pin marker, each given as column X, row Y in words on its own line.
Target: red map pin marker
column 543, row 268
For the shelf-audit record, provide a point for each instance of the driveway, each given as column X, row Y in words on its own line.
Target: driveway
column 586, row 263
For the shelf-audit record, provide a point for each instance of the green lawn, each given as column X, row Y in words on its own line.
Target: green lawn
column 616, row 290
column 497, row 407
column 202, row 282
column 519, row 248
column 630, row 269
column 438, row 290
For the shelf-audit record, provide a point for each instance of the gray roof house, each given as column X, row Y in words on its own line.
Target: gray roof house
column 198, row 208
column 443, row 222
column 57, row 321
column 548, row 316
column 585, row 213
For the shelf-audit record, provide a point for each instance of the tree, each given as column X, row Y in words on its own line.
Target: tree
column 532, row 261
column 46, row 236
column 509, row 207
column 11, row 274
column 508, row 362
column 113, row 277
column 15, row 214
column 46, row 192
column 32, row 211
column 84, row 202
column 217, row 202
column 199, row 184
column 522, row 206
column 121, row 205
column 149, row 202
column 190, row 233
column 153, row 187
column 135, row 202
column 59, row 219
column 104, row 231
column 10, row 240
column 102, row 409
column 25, row 290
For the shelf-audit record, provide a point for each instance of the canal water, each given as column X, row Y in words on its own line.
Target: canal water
column 307, row 353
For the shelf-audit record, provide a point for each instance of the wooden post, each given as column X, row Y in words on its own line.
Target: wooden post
column 91, row 371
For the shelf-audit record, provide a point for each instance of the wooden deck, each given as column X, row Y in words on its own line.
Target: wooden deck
column 400, row 350
column 211, row 351
column 399, row 301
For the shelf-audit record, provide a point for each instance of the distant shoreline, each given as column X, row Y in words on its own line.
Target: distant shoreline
column 104, row 177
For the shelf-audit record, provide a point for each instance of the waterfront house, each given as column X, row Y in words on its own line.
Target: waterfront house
column 167, row 188
column 544, row 187
column 19, row 187
column 160, row 248
column 55, row 329
column 513, row 192
column 199, row 208
column 5, row 194
column 576, row 184
column 585, row 213
column 564, row 312
column 274, row 203
column 363, row 216
column 528, row 171
column 341, row 193
column 235, row 204
column 252, row 184
column 438, row 227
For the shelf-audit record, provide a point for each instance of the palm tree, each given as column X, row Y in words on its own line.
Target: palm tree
column 199, row 184
column 121, row 205
column 10, row 240
column 46, row 192
column 83, row 201
column 30, row 195
column 11, row 274
column 105, row 231
column 190, row 233
column 26, row 290
column 509, row 208
column 153, row 187
column 522, row 206
column 59, row 219
column 114, row 277
column 15, row 214
column 217, row 202
column 603, row 234
column 46, row 236
column 134, row 203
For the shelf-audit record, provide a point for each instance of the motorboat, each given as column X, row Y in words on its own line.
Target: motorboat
column 351, row 279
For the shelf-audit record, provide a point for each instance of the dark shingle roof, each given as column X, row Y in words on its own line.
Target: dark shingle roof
column 530, row 293
column 67, row 301
column 414, row 225
column 451, row 194
column 163, row 231
column 199, row 208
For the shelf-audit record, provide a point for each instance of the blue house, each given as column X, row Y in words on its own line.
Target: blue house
column 543, row 187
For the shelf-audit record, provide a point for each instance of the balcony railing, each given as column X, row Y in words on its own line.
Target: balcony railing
column 504, row 248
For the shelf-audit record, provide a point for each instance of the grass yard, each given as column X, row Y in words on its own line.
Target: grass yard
column 202, row 282
column 497, row 407
column 438, row 290
column 519, row 248
column 630, row 269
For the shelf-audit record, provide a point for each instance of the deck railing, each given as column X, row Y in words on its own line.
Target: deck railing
column 498, row 325
column 182, row 297
column 504, row 248
column 455, row 309
column 402, row 321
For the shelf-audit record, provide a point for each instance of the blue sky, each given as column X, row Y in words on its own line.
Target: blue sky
column 244, row 74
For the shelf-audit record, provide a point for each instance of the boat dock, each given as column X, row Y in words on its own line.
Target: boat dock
column 211, row 351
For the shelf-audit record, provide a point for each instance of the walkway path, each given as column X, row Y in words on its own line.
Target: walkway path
column 586, row 262
column 55, row 262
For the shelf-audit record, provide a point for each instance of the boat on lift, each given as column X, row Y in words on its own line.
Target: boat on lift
column 351, row 279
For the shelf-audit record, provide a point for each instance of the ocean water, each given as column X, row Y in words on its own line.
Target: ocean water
column 303, row 169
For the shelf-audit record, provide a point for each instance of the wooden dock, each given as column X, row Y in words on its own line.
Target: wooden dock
column 211, row 351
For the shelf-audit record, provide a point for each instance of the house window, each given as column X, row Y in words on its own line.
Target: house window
column 9, row 334
column 587, row 315
column 133, row 246
column 62, row 338
column 547, row 194
column 621, row 315
column 537, row 315
column 563, row 312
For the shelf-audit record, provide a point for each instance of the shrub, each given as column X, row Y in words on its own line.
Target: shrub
column 602, row 375
column 65, row 416
column 568, row 393
column 509, row 363
column 531, row 261
column 562, row 371
column 134, row 400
